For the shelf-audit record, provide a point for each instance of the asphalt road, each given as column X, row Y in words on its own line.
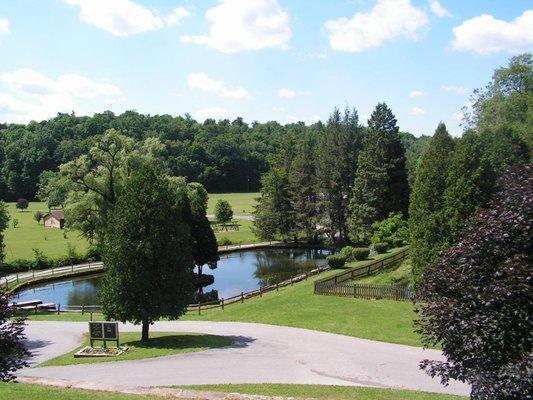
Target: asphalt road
column 260, row 354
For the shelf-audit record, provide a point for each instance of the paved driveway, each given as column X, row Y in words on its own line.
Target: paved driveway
column 260, row 354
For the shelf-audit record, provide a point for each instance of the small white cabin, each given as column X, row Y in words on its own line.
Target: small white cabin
column 54, row 219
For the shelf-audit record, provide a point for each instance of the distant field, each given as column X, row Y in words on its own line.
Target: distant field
column 242, row 203
column 21, row 241
column 29, row 235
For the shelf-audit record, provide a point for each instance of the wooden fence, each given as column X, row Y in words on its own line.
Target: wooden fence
column 333, row 285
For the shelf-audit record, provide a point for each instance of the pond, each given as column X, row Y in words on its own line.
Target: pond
column 236, row 272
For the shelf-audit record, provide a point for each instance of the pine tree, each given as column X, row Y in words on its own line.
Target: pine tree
column 380, row 186
column 427, row 200
column 336, row 165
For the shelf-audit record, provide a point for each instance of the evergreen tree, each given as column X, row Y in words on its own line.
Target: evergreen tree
column 427, row 200
column 274, row 212
column 336, row 165
column 304, row 188
column 148, row 252
column 4, row 223
column 380, row 186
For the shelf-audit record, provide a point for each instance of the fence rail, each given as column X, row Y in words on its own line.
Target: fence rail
column 333, row 285
column 368, row 291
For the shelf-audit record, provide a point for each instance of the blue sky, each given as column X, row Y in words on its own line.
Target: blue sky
column 284, row 60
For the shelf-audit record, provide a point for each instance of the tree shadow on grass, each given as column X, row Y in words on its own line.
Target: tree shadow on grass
column 182, row 341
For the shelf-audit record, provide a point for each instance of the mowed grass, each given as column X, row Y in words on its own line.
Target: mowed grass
column 29, row 235
column 241, row 203
column 324, row 392
column 54, row 243
column 23, row 391
column 297, row 306
column 401, row 275
column 160, row 344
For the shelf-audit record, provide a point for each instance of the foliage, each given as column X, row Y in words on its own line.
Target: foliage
column 346, row 252
column 392, row 228
column 224, row 241
column 476, row 300
column 148, row 252
column 223, row 212
column 426, row 219
column 336, row 261
column 360, row 253
column 22, row 204
column 15, row 223
column 38, row 216
column 380, row 186
column 4, row 223
column 53, row 188
column 13, row 354
column 380, row 248
column 399, row 242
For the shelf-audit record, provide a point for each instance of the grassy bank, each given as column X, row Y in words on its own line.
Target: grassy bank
column 160, row 344
column 323, row 392
column 241, row 203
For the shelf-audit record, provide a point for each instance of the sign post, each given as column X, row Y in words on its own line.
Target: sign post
column 104, row 331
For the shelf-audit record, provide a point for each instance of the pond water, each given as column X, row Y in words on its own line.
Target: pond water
column 236, row 272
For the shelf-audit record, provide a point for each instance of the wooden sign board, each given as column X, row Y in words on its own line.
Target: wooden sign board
column 104, row 331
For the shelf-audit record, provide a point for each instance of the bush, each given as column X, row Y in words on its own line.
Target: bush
column 224, row 242
column 397, row 243
column 381, row 247
column 347, row 252
column 22, row 204
column 391, row 228
column 336, row 261
column 360, row 253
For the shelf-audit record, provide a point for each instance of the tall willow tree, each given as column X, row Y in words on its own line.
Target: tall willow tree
column 427, row 200
column 148, row 252
column 380, row 186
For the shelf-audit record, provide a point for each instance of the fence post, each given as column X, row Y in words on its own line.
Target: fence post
column 277, row 287
column 33, row 274
column 82, row 309
column 291, row 281
column 199, row 308
column 58, row 309
column 7, row 283
column 242, row 297
column 17, row 278
column 222, row 303
column 260, row 292
column 35, row 309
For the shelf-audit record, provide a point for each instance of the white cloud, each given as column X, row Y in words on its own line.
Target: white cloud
column 206, row 84
column 416, row 93
column 457, row 117
column 175, row 17
column 485, row 34
column 438, row 9
column 454, row 89
column 30, row 95
column 388, row 19
column 124, row 17
column 5, row 28
column 278, row 109
column 212, row 112
column 417, row 111
column 285, row 93
column 240, row 25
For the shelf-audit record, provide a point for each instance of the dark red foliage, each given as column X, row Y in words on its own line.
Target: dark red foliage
column 477, row 300
column 13, row 354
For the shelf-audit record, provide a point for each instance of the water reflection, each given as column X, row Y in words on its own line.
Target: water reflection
column 236, row 273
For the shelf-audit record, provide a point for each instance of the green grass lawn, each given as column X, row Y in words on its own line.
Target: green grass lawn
column 23, row 391
column 241, row 203
column 29, row 235
column 243, row 236
column 161, row 344
column 395, row 276
column 323, row 392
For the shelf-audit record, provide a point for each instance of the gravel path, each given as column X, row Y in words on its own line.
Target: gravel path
column 260, row 354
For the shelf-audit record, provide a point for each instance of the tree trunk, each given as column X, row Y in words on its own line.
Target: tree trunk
column 145, row 327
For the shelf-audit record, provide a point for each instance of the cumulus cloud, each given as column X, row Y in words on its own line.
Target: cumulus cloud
column 417, row 111
column 30, row 95
column 240, row 25
column 5, row 28
column 454, row 89
column 438, row 9
column 124, row 17
column 204, row 83
column 416, row 93
column 285, row 93
column 388, row 20
column 212, row 112
column 485, row 34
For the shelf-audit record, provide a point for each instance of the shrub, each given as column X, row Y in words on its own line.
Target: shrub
column 336, row 261
column 397, row 242
column 360, row 253
column 391, row 228
column 381, row 247
column 347, row 252
column 224, row 242
column 38, row 216
column 22, row 204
